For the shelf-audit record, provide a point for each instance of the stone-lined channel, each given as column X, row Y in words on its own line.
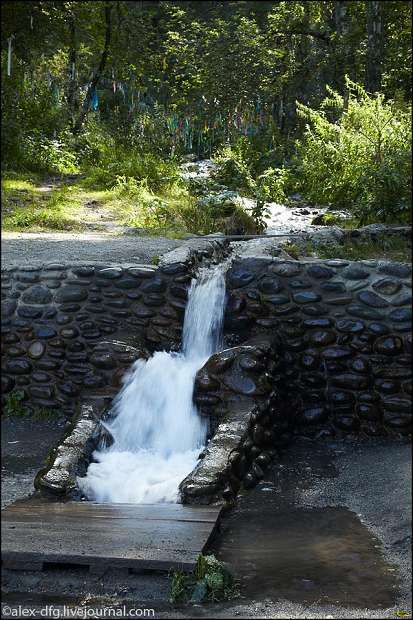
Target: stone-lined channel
column 311, row 348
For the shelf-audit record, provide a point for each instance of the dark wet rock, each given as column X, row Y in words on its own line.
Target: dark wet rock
column 71, row 308
column 93, row 380
column 322, row 337
column 350, row 381
column 270, row 285
column 320, row 272
column 367, row 411
column 117, row 303
column 63, row 319
column 110, row 273
column 240, row 383
column 346, row 422
column 361, row 365
column 78, row 282
column 69, row 332
column 339, row 398
column 387, row 286
column 313, row 415
column 29, row 312
column 314, row 309
column 36, row 350
column 372, row 299
column 350, row 326
column 354, row 272
column 173, row 268
column 398, row 422
column 8, row 308
column 207, row 400
column 333, row 287
column 337, row 262
column 53, row 284
column 9, row 337
column 239, row 277
column 37, row 295
column 397, row 404
column 15, row 351
column 127, row 283
column 333, row 353
column 404, row 299
column 339, row 301
column 396, row 269
column 309, row 361
column 41, row 391
column 70, row 293
column 400, row 315
column 250, row 481
column 18, row 367
column 298, row 283
column 239, row 322
column 27, row 277
column 155, row 285
column 50, row 313
column 83, row 271
column 153, row 299
column 389, row 345
column 204, row 382
column 363, row 312
column 277, row 300
column 306, row 297
column 45, row 332
column 387, row 386
column 179, row 291
column 47, row 364
column 7, row 384
column 378, row 328
column 103, row 360
column 235, row 304
column 286, row 269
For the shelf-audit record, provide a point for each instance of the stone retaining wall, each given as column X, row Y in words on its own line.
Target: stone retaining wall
column 71, row 329
column 346, row 334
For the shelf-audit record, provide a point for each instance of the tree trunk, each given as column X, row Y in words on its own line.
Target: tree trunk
column 98, row 73
column 374, row 58
column 71, row 87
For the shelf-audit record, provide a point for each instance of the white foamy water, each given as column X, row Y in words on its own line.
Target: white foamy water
column 157, row 431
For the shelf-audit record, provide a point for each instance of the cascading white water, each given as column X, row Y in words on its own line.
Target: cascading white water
column 156, row 429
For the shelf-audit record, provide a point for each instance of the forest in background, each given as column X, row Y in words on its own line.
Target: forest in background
column 311, row 97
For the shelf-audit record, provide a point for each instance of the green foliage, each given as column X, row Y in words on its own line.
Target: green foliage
column 13, row 404
column 356, row 153
column 383, row 247
column 211, row 580
column 292, row 249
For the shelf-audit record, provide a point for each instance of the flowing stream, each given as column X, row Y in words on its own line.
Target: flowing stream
column 157, row 431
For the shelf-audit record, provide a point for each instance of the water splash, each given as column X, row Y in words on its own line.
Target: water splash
column 156, row 429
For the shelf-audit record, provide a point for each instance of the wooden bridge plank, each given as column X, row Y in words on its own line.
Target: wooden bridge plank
column 127, row 536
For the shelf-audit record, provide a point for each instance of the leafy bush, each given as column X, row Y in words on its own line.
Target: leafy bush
column 356, row 154
column 211, row 581
column 107, row 159
column 39, row 153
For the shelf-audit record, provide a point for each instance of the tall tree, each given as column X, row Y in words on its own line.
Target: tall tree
column 374, row 59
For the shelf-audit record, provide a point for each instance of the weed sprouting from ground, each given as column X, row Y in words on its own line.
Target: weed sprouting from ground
column 210, row 581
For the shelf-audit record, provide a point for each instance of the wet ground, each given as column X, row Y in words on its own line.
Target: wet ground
column 25, row 444
column 325, row 534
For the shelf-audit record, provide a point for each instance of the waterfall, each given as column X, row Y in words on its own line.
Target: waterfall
column 157, row 431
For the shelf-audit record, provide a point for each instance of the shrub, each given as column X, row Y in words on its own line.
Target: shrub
column 356, row 154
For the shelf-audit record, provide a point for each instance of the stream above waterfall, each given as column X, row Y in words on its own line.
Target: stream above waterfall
column 156, row 430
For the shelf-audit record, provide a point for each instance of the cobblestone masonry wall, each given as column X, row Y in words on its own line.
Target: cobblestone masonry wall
column 345, row 329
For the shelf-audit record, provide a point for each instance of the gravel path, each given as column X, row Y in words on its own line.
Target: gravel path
column 19, row 249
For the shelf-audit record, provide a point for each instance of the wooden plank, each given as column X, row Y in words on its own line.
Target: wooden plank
column 120, row 511
column 121, row 536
